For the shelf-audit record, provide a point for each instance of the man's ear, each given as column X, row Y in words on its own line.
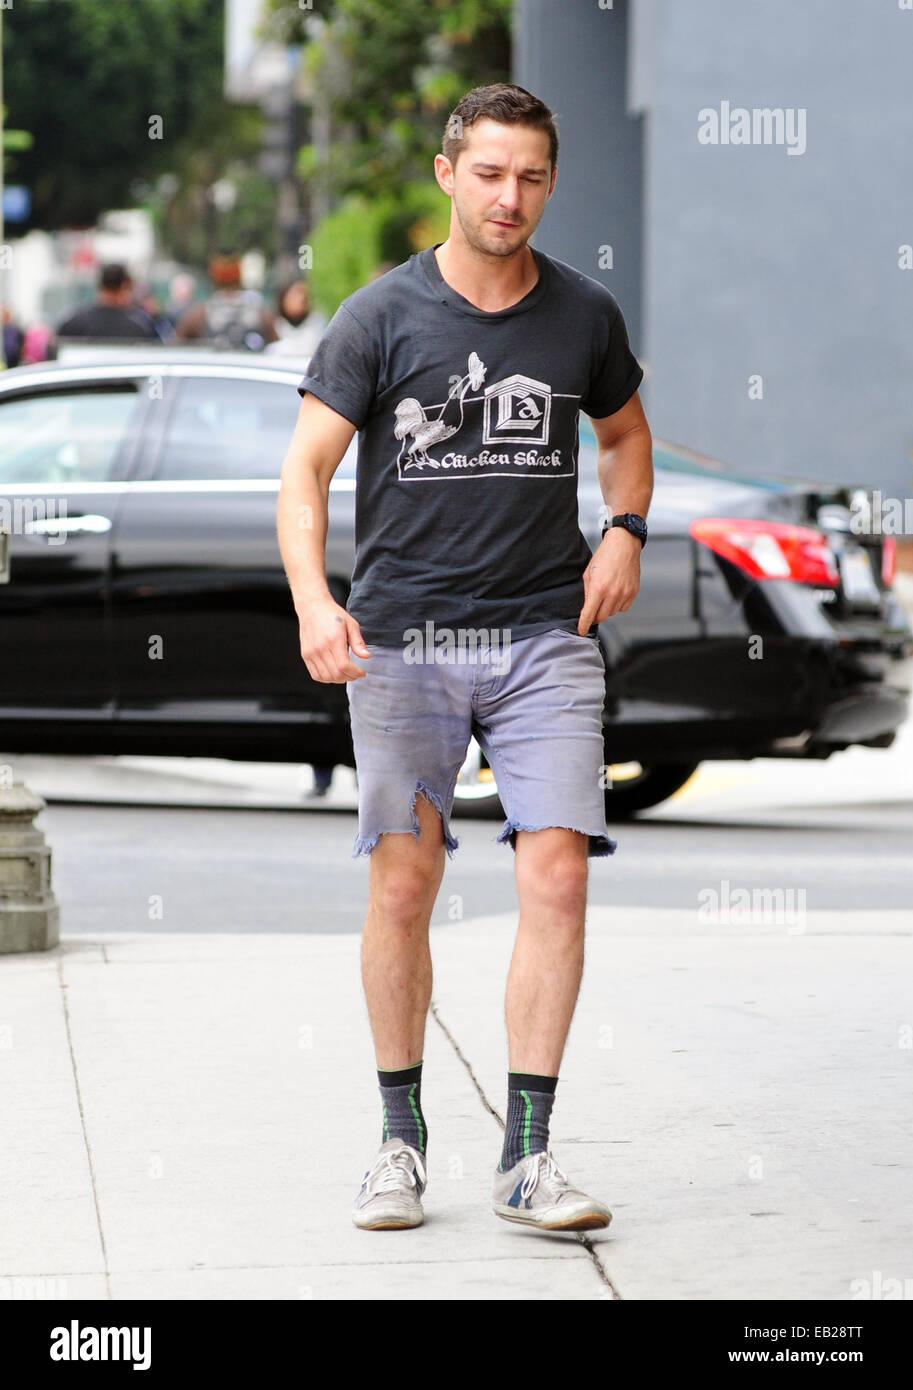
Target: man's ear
column 443, row 172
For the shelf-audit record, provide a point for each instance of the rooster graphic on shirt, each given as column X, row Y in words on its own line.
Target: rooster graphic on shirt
column 414, row 424
column 515, row 410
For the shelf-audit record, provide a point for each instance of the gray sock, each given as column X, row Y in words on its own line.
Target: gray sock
column 401, row 1095
column 530, row 1098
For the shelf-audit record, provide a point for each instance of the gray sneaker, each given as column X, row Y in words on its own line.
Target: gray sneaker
column 535, row 1192
column 390, row 1196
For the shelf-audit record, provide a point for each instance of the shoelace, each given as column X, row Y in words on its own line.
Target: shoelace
column 543, row 1169
column 391, row 1167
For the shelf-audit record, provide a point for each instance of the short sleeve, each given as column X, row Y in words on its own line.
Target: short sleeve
column 342, row 371
column 617, row 375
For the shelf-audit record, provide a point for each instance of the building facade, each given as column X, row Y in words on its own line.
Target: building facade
column 751, row 168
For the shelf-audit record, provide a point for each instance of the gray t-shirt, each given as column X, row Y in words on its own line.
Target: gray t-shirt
column 466, row 492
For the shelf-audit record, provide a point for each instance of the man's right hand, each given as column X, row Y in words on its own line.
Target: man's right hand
column 327, row 633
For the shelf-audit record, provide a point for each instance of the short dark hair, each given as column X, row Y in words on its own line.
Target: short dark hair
column 113, row 276
column 501, row 101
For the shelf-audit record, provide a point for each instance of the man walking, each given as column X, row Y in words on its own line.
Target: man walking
column 474, row 603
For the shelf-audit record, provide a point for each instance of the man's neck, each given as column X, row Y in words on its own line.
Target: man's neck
column 489, row 282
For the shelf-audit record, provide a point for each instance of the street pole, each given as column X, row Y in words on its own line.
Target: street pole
column 2, row 161
column 29, row 914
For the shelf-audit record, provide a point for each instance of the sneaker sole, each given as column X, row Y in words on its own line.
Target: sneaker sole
column 389, row 1223
column 584, row 1221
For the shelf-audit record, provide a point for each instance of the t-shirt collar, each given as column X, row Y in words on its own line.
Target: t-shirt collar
column 428, row 262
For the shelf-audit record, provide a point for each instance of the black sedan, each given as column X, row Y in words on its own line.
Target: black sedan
column 144, row 608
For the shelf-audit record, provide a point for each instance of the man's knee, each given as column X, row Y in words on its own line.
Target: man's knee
column 407, row 868
column 552, row 866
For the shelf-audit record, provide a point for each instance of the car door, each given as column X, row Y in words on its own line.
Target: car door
column 65, row 449
column 205, row 633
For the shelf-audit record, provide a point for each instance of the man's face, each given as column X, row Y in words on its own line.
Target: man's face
column 502, row 181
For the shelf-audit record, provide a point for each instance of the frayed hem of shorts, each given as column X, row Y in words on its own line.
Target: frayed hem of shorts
column 599, row 847
column 365, row 845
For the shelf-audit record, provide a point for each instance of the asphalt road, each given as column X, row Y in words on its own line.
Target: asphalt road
column 175, row 845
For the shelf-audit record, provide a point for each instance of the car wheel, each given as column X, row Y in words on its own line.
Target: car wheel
column 476, row 793
column 635, row 786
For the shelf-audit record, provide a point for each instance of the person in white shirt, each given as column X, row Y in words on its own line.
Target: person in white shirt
column 299, row 326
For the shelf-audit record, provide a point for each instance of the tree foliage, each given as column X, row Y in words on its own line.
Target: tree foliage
column 86, row 76
column 364, row 236
column 14, row 139
column 392, row 72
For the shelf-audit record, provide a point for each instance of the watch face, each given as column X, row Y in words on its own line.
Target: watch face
column 631, row 522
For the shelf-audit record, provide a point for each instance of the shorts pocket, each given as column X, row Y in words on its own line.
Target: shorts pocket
column 574, row 636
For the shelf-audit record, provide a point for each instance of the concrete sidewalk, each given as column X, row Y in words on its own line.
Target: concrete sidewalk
column 190, row 1116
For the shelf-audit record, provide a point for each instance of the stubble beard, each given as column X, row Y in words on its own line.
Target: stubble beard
column 485, row 244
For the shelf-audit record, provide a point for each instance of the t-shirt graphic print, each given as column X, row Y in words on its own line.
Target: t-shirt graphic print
column 515, row 410
column 441, row 392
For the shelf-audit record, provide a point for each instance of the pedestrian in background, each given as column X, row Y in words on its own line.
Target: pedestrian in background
column 113, row 314
column 13, row 337
column 232, row 317
column 299, row 326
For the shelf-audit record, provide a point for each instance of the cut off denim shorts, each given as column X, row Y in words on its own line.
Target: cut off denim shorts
column 534, row 705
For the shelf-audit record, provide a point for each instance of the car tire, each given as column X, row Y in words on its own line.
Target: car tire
column 476, row 792
column 648, row 788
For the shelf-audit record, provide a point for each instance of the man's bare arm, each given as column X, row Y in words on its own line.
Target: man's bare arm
column 625, row 466
column 320, row 439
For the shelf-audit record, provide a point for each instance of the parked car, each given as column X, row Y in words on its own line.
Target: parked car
column 145, row 608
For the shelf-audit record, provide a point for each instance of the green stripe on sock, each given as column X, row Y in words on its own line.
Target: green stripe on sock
column 526, row 1121
column 386, row 1122
column 417, row 1117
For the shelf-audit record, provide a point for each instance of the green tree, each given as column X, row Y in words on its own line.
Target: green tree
column 366, row 235
column 87, row 77
column 390, row 74
column 13, row 140
column 384, row 76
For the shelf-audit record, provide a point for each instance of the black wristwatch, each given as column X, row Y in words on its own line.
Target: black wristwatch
column 631, row 522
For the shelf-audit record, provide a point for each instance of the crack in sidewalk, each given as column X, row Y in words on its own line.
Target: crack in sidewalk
column 609, row 1290
column 82, row 1119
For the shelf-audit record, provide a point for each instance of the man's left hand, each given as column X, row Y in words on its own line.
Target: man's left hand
column 611, row 579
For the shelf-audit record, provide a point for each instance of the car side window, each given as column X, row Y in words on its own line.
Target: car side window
column 228, row 427
column 231, row 428
column 64, row 436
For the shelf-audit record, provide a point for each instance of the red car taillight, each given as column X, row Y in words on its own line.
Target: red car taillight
column 770, row 549
column 888, row 560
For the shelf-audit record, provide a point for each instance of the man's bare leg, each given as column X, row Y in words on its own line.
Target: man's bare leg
column 542, row 986
column 547, row 963
column 405, row 875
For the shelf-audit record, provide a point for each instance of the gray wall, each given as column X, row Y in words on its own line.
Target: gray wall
column 787, row 266
column 754, row 261
column 572, row 55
